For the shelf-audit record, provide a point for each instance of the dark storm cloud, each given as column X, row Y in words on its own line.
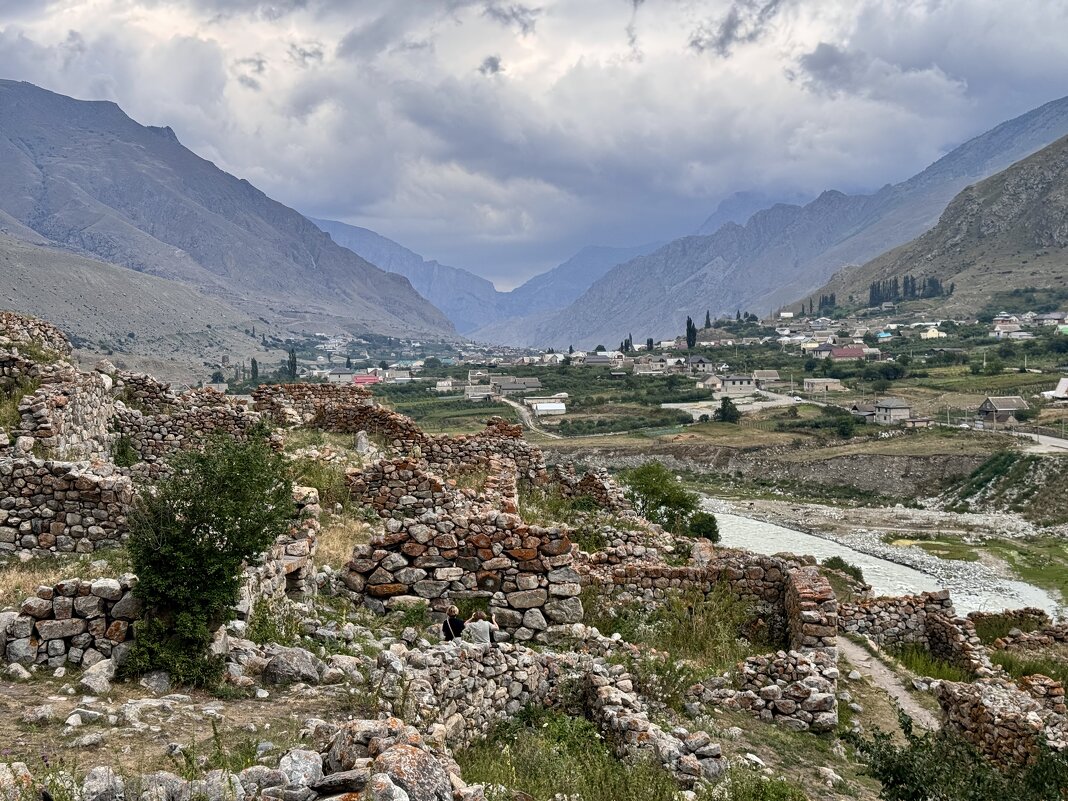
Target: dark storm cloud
column 491, row 65
column 247, row 70
column 516, row 16
column 745, row 22
column 306, row 54
column 833, row 69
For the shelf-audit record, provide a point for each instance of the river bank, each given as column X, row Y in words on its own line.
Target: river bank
column 857, row 535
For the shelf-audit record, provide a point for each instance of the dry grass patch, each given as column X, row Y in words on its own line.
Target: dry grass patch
column 338, row 537
column 19, row 580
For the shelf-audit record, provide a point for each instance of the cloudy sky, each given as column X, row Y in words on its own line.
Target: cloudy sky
column 502, row 135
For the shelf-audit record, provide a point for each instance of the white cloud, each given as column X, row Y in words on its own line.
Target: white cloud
column 502, row 135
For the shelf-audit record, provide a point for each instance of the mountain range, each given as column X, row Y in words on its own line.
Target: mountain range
column 85, row 178
column 472, row 303
column 1007, row 232
column 784, row 252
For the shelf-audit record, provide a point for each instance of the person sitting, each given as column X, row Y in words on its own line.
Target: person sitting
column 480, row 628
column 453, row 625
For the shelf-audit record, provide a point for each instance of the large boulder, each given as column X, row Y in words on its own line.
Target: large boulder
column 290, row 665
column 103, row 784
column 97, row 679
column 416, row 772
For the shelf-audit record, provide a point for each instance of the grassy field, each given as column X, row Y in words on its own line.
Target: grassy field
column 448, row 414
column 1041, row 561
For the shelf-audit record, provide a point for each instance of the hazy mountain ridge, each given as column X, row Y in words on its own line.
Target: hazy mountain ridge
column 93, row 181
column 471, row 302
column 1009, row 231
column 785, row 252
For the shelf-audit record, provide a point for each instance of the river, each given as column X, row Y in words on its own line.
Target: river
column 886, row 577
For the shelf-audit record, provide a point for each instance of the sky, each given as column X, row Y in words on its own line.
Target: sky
column 503, row 135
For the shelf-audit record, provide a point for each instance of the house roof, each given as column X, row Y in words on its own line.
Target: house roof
column 862, row 408
column 766, row 374
column 1006, row 403
column 848, row 353
column 892, row 403
column 738, row 377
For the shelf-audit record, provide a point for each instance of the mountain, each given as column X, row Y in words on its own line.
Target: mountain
column 1007, row 232
column 786, row 251
column 462, row 296
column 472, row 303
column 139, row 321
column 739, row 207
column 92, row 181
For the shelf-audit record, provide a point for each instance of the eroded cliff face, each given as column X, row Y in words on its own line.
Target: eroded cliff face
column 888, row 475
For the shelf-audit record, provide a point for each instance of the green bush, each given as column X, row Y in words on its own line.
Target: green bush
column 660, row 497
column 123, row 453
column 942, row 766
column 328, row 479
column 993, row 627
column 703, row 525
column 745, row 784
column 189, row 536
column 274, row 622
column 842, row 566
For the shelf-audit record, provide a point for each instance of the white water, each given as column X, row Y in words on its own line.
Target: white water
column 886, row 577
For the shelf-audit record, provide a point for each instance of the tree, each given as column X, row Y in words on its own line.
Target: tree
column 570, row 349
column 708, row 319
column 291, row 365
column 217, row 377
column 649, row 344
column 255, row 370
column 691, row 333
column 188, row 538
column 659, row 496
column 348, row 362
column 727, row 412
column 383, row 365
column 703, row 525
column 432, row 362
column 600, row 349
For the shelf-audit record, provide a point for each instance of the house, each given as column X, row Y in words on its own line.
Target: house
column 477, row 376
column 1060, row 392
column 699, row 364
column 824, row 385
column 863, row 412
column 1001, row 410
column 655, row 367
column 786, row 315
column 445, row 385
column 603, row 359
column 824, row 351
column 765, row 378
column 712, row 382
column 933, row 333
column 366, row 379
column 847, row 354
column 340, row 375
column 544, row 408
column 1051, row 318
column 510, row 385
column 398, row 376
column 1005, row 330
column 477, row 392
column 891, row 411
column 739, row 385
column 559, row 397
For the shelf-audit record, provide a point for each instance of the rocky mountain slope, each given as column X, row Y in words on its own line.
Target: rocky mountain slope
column 138, row 321
column 92, row 181
column 472, row 303
column 785, row 252
column 1007, row 232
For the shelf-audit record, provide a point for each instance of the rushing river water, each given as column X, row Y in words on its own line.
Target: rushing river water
column 886, row 577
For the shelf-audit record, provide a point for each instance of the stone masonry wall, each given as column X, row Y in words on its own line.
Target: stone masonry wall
column 77, row 621
column 69, row 415
column 22, row 329
column 300, row 404
column 60, row 507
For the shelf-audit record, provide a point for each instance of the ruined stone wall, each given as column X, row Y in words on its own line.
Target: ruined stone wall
column 1006, row 723
column 154, row 437
column 597, row 485
column 1044, row 637
column 1030, row 616
column 300, row 404
column 69, row 416
column 76, row 621
column 60, row 507
column 811, row 610
column 22, row 329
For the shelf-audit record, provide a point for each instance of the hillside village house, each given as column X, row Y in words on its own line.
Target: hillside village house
column 892, row 411
column 366, row 379
column 712, row 382
column 478, row 392
column 739, row 385
column 863, row 412
column 848, row 354
column 510, row 385
column 1001, row 410
column 445, row 385
column 1051, row 318
column 340, row 375
column 933, row 333
column 546, row 408
column 823, row 385
column 765, row 378
column 653, row 367
column 699, row 364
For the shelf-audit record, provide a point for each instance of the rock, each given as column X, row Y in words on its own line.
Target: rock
column 38, row 714
column 107, row 588
column 103, row 784
column 381, row 788
column 157, row 682
column 565, row 610
column 16, row 781
column 346, row 781
column 416, row 772
column 302, row 768
column 97, row 679
column 290, row 665
column 18, row 673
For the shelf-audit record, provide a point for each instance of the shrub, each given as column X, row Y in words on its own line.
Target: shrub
column 745, row 784
column 327, row 478
column 727, row 412
column 189, row 536
column 274, row 622
column 842, row 566
column 703, row 525
column 123, row 453
column 658, row 496
column 944, row 766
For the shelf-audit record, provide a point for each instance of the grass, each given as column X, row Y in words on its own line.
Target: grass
column 338, row 536
column 328, row 479
column 993, row 627
column 921, row 662
column 942, row 548
column 1042, row 561
column 544, row 753
column 1019, row 665
column 19, row 580
column 10, row 398
column 274, row 621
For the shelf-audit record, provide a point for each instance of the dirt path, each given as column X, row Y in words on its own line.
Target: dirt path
column 528, row 419
column 875, row 670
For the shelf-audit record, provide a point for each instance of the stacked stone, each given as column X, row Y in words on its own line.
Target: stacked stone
column 1004, row 722
column 288, row 566
column 811, row 610
column 894, row 620
column 1048, row 692
column 614, row 705
column 69, row 417
column 954, row 640
column 77, row 621
column 60, row 507
column 402, row 488
column 18, row 328
column 1045, row 637
column 157, row 436
column 299, row 404
column 793, row 689
column 142, row 391
column 597, row 485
